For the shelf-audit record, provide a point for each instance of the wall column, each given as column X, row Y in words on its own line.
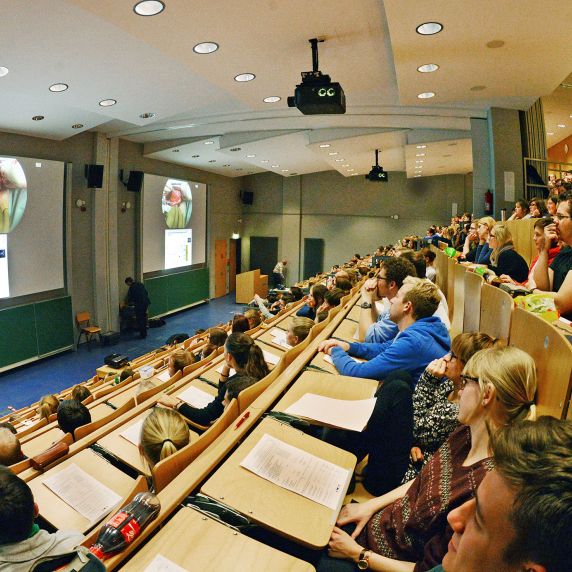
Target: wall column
column 291, row 220
column 481, row 165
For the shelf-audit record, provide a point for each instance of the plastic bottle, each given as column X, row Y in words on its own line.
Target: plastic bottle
column 116, row 381
column 126, row 525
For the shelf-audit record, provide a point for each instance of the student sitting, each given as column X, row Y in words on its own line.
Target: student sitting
column 163, row 433
column 436, row 399
column 332, row 298
column 48, row 406
column 406, row 529
column 482, row 253
column 299, row 330
column 240, row 354
column 22, row 543
column 422, row 337
column 10, row 449
column 254, row 318
column 430, row 271
column 217, row 338
column 521, row 516
column 239, row 323
column 313, row 301
column 80, row 393
column 71, row 415
column 177, row 361
column 505, row 260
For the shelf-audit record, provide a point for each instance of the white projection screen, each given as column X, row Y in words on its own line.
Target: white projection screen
column 32, row 225
column 174, row 212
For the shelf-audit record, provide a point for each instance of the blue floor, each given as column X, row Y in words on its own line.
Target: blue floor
column 26, row 384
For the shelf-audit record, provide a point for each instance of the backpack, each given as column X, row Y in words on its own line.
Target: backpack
column 79, row 559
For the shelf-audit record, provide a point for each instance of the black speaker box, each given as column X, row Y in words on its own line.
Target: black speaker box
column 94, row 176
column 247, row 197
column 135, row 181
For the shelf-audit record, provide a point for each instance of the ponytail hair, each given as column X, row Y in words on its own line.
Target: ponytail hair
column 48, row 405
column 163, row 433
column 248, row 356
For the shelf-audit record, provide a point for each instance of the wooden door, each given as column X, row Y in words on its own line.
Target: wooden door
column 220, row 268
column 232, row 257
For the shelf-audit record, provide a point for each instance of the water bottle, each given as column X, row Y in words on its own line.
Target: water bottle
column 126, row 525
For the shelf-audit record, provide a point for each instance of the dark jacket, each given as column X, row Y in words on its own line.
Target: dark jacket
column 511, row 263
column 137, row 295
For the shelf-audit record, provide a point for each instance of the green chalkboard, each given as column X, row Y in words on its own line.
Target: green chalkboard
column 174, row 291
column 18, row 340
column 54, row 326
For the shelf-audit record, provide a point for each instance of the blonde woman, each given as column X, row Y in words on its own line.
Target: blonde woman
column 505, row 260
column 482, row 254
column 47, row 406
column 163, row 433
column 407, row 527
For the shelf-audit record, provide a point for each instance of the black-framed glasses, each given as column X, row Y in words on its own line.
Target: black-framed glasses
column 466, row 378
column 560, row 216
column 382, row 278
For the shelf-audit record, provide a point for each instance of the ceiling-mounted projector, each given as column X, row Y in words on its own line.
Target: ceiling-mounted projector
column 318, row 94
column 377, row 174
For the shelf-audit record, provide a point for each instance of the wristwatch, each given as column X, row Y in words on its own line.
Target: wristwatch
column 365, row 306
column 363, row 562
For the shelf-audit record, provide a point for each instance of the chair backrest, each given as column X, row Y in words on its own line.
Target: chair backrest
column 21, row 466
column 441, row 262
column 458, row 315
column 82, row 318
column 32, row 428
column 552, row 354
column 167, row 469
column 316, row 330
column 84, row 430
column 450, row 293
column 472, row 310
column 294, row 352
column 496, row 310
column 522, row 232
column 158, row 388
column 248, row 395
column 112, row 388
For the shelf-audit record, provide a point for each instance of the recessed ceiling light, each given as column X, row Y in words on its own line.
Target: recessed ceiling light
column 285, row 170
column 37, row 118
column 428, row 68
column 324, row 145
column 275, row 166
column 148, row 7
column 239, row 169
column 272, row 99
column 426, row 95
column 226, row 165
column 182, row 126
column 419, row 160
column 550, row 133
column 148, row 115
column 107, row 102
column 561, row 125
column 234, row 149
column 250, row 156
column 212, row 161
column 420, row 155
column 57, row 87
column 417, row 176
column 429, row 28
column 175, row 150
column 421, row 146
column 339, row 160
column 478, row 87
column 331, row 153
column 264, row 161
column 3, row 71
column 346, row 165
column 350, row 170
column 209, row 142
column 244, row 77
column 195, row 156
column 495, row 44
column 206, row 48
column 77, row 126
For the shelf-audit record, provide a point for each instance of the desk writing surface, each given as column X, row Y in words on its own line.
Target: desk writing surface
column 265, row 503
column 266, row 339
column 119, row 399
column 196, row 542
column 334, row 386
column 100, row 411
column 42, row 442
column 346, row 331
column 63, row 516
column 354, row 313
column 319, row 361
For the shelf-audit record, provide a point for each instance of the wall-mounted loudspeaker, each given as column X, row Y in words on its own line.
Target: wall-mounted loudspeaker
column 247, row 197
column 135, row 181
column 94, row 176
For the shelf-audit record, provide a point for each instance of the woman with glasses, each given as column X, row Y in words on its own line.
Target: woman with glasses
column 505, row 260
column 482, row 254
column 537, row 208
column 406, row 529
column 436, row 399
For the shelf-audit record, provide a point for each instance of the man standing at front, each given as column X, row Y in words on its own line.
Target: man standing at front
column 278, row 273
column 137, row 296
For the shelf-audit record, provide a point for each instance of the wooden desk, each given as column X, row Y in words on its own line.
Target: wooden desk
column 196, row 542
column 354, row 313
column 60, row 514
column 121, row 398
column 335, row 386
column 250, row 283
column 42, row 442
column 320, row 362
column 265, row 503
column 346, row 331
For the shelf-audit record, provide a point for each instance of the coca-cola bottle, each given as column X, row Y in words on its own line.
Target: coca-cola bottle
column 126, row 525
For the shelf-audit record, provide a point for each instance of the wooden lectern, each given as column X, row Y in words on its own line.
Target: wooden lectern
column 250, row 283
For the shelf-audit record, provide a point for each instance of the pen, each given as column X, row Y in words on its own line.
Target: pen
column 242, row 419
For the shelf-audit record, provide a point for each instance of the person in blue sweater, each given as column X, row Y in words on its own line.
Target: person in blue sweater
column 422, row 337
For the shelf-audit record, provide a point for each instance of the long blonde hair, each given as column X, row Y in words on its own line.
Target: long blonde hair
column 503, row 237
column 48, row 405
column 163, row 433
column 512, row 375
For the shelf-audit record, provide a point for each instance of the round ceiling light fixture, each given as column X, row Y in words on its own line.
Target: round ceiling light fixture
column 195, row 156
column 212, row 161
column 235, row 149
column 426, row 95
column 272, row 99
column 242, row 77
column 421, row 146
column 59, row 87
column 275, row 166
column 332, row 153
column 209, row 142
column 227, row 165
column 149, row 115
column 3, row 71
column 206, row 48
column 264, row 161
column 37, row 118
column 324, row 145
column 561, row 125
column 77, row 126
column 107, row 102
column 148, row 7
column 285, row 170
column 250, row 156
column 428, row 68
column 176, row 150
column 429, row 28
